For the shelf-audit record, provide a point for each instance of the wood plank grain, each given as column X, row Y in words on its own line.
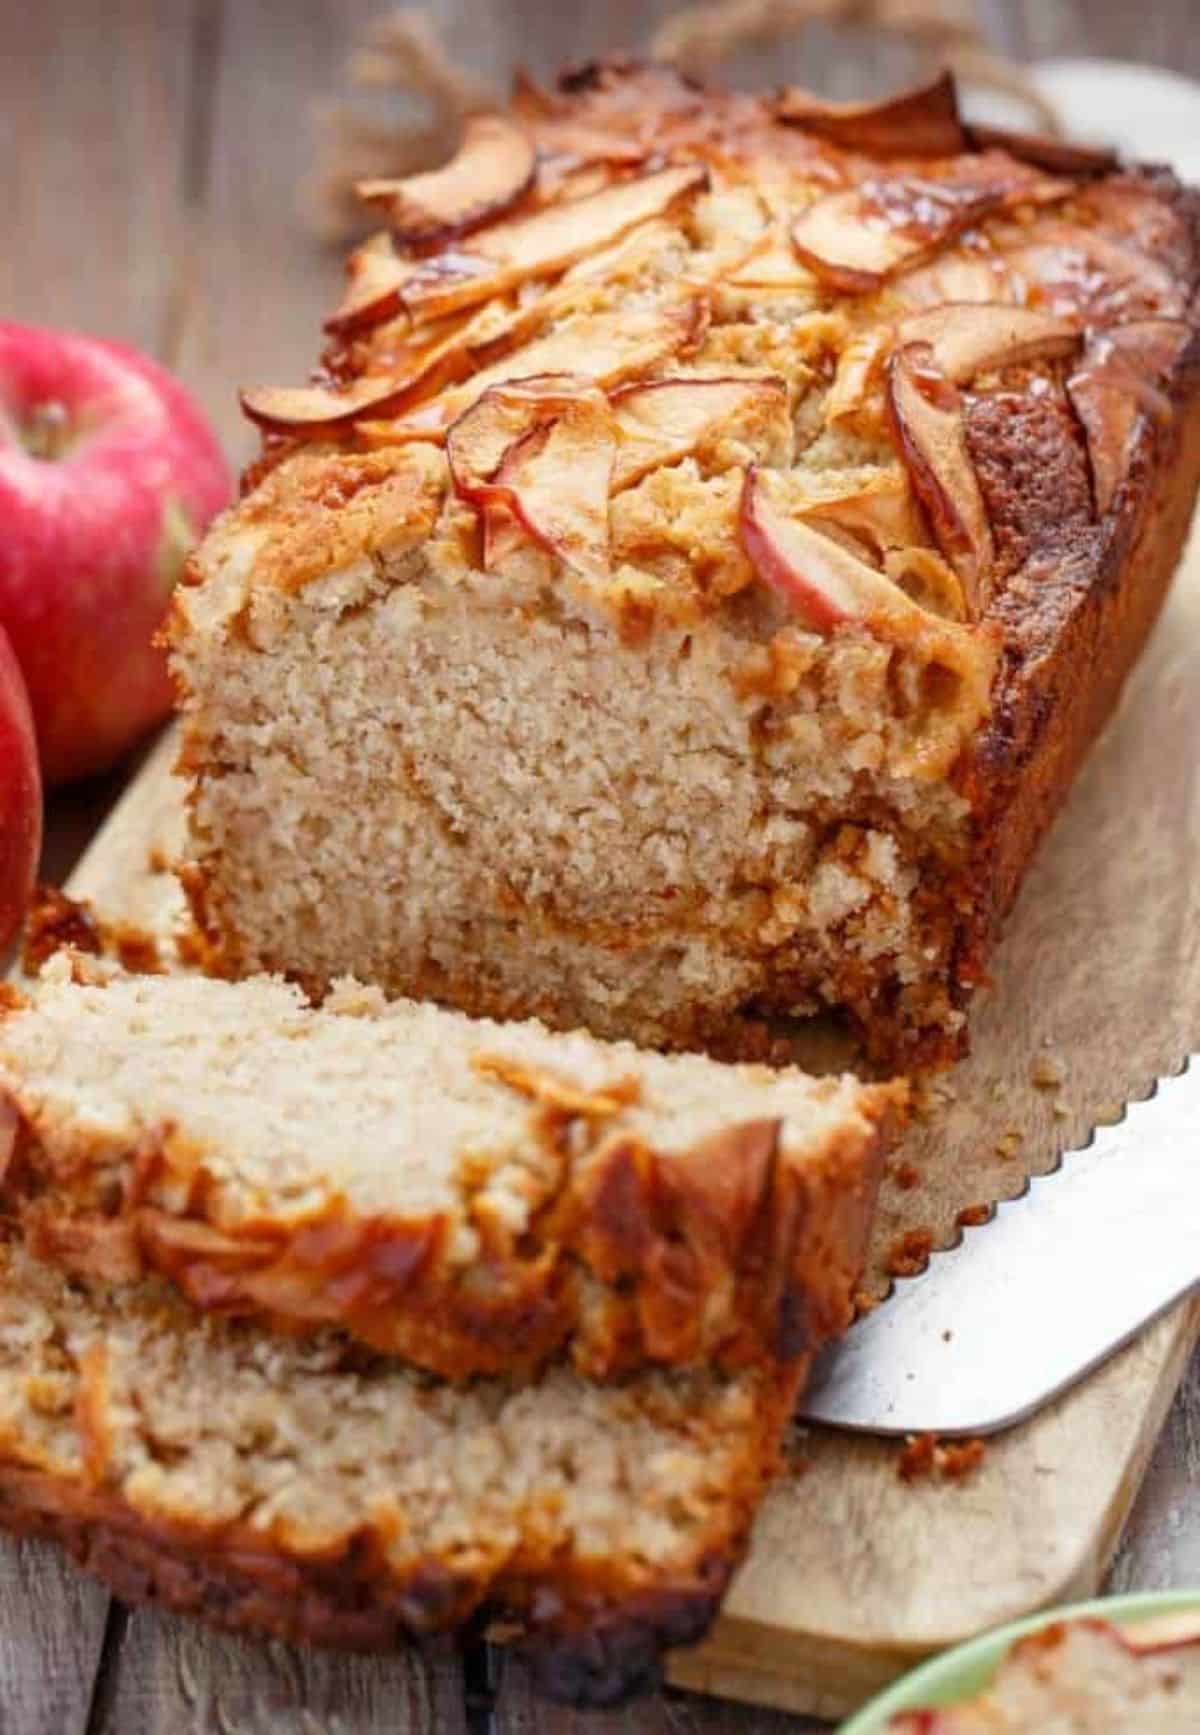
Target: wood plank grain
column 51, row 1633
column 174, row 1678
column 1161, row 1547
column 257, row 284
column 1162, row 33
column 519, row 1711
column 89, row 176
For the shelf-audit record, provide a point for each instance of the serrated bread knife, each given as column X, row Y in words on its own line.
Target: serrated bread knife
column 1029, row 1302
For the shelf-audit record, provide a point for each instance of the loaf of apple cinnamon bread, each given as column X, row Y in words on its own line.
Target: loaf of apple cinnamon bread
column 718, row 531
column 316, row 1493
column 479, row 1198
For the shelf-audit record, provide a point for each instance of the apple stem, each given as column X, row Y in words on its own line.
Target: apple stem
column 47, row 433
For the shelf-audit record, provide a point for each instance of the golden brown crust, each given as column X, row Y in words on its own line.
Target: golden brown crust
column 731, row 1251
column 589, row 1647
column 1073, row 645
column 590, row 1643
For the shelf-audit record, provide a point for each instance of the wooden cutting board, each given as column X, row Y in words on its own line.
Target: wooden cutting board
column 854, row 1573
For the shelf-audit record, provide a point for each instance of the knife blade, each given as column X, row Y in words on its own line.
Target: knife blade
column 1029, row 1302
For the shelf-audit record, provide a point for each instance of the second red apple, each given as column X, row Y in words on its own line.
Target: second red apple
column 108, row 474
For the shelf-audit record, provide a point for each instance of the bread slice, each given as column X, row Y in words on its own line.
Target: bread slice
column 476, row 1197
column 694, row 588
column 313, row 1492
column 1084, row 1677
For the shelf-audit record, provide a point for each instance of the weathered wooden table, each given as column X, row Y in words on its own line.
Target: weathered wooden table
column 151, row 155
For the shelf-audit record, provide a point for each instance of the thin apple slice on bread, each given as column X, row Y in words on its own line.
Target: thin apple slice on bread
column 955, row 277
column 611, row 346
column 974, row 337
column 416, row 368
column 821, row 580
column 856, row 239
column 1075, row 270
column 914, row 123
column 321, row 409
column 500, row 257
column 856, row 376
column 558, row 483
column 664, row 420
column 1056, row 155
column 1119, row 381
column 926, row 412
column 493, row 168
column 542, row 450
column 504, row 414
column 878, row 510
column 608, row 348
column 375, row 278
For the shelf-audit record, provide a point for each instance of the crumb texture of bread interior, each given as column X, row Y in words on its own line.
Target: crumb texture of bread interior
column 472, row 1195
column 617, row 639
column 311, row 1492
column 1080, row 1677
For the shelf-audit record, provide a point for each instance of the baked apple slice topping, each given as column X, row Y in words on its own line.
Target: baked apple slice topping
column 1069, row 269
column 434, row 358
column 493, row 168
column 974, row 337
column 1120, row 380
column 376, row 276
column 669, row 419
column 914, row 123
column 858, row 368
column 510, row 253
column 608, row 348
column 955, row 277
column 1056, row 156
column 879, row 512
column 856, row 239
column 539, row 453
column 926, row 413
column 820, row 579
column 557, row 482
column 318, row 409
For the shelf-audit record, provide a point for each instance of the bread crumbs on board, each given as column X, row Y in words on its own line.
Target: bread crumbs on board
column 926, row 1457
column 909, row 1253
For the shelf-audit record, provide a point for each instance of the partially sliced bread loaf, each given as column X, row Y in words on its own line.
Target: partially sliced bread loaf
column 470, row 1195
column 317, row 1493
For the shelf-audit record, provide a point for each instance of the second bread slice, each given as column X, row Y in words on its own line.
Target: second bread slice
column 473, row 1196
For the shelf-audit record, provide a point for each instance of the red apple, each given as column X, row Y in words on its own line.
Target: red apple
column 20, row 798
column 108, row 474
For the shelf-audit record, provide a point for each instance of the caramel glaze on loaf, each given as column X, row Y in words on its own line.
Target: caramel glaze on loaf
column 475, row 1197
column 693, row 584
column 318, row 1494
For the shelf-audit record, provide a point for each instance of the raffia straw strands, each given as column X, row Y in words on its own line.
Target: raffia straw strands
column 402, row 57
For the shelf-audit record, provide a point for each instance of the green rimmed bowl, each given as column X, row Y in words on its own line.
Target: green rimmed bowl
column 960, row 1673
